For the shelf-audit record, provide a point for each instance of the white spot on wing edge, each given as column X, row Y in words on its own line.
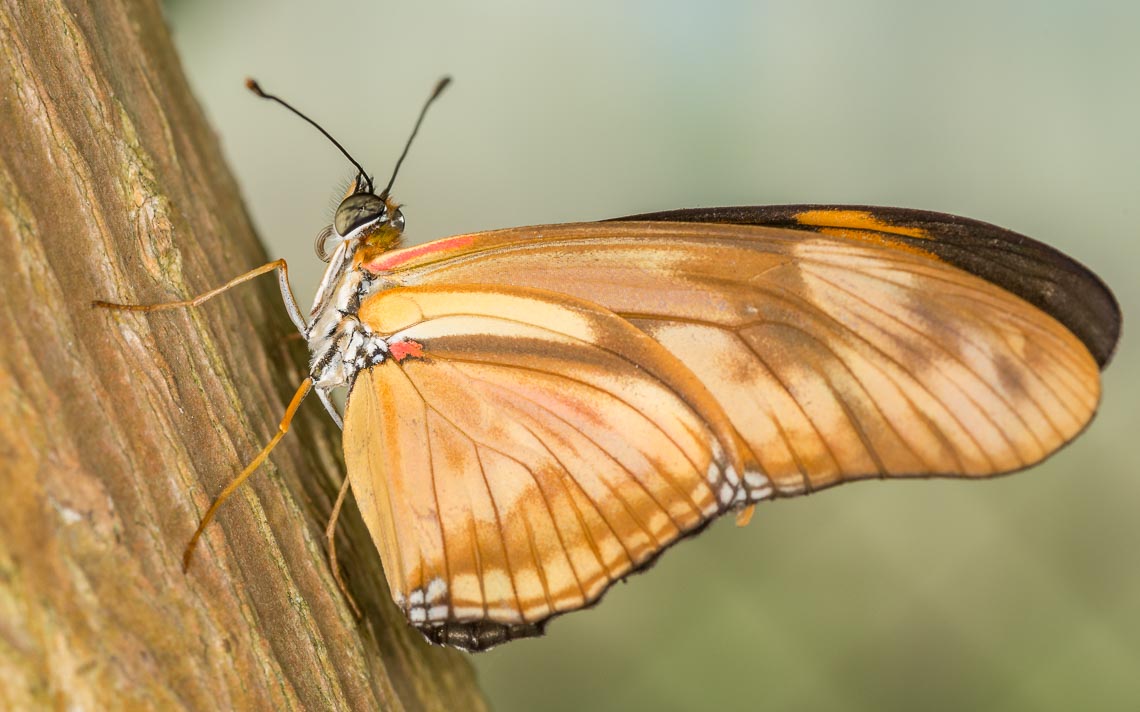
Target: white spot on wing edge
column 504, row 614
column 725, row 495
column 436, row 590
column 713, row 472
column 756, row 479
column 761, row 493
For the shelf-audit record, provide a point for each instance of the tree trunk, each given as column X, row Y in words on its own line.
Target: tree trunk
column 117, row 429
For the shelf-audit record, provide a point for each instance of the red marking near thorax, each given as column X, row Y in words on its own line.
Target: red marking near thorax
column 401, row 350
column 391, row 260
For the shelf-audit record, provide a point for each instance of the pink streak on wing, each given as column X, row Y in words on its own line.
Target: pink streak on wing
column 400, row 350
column 392, row 260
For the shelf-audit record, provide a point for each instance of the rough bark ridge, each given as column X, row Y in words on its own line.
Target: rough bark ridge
column 117, row 429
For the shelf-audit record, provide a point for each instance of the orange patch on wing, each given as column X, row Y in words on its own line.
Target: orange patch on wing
column 856, row 220
column 876, row 239
column 863, row 226
column 401, row 350
column 392, row 260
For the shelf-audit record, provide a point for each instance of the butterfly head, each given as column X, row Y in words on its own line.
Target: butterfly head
column 375, row 219
column 372, row 220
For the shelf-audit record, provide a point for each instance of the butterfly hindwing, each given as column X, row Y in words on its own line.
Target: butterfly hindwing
column 520, row 451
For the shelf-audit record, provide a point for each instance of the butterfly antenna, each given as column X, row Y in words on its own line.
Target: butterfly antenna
column 254, row 87
column 439, row 87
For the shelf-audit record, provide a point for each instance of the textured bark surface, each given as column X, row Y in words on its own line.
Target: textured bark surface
column 117, row 429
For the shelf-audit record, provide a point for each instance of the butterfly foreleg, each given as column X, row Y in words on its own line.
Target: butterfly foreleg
column 279, row 266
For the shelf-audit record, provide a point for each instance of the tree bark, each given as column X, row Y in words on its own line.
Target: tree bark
column 117, row 429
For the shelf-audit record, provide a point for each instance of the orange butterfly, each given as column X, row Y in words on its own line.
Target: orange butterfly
column 536, row 413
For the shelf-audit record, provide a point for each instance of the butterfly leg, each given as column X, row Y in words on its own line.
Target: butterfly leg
column 744, row 516
column 323, row 394
column 282, row 428
column 330, row 535
column 279, row 266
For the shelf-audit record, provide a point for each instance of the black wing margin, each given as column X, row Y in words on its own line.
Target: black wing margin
column 1034, row 271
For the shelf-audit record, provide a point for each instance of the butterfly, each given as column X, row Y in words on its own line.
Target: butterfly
column 534, row 414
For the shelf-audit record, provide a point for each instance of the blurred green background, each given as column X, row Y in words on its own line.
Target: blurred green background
column 1018, row 593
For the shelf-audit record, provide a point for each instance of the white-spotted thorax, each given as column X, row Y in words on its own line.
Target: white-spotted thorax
column 340, row 345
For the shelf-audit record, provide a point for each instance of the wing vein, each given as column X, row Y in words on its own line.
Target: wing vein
column 586, row 533
column 952, row 356
column 508, row 456
column 498, row 524
column 438, row 518
column 607, row 453
column 534, row 369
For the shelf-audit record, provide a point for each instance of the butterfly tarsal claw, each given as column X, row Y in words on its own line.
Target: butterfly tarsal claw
column 282, row 428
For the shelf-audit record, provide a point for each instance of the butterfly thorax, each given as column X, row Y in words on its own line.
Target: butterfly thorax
column 340, row 345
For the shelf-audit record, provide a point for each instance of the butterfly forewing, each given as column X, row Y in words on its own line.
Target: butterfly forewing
column 522, row 451
column 835, row 359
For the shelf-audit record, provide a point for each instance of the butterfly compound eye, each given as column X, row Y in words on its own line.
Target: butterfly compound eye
column 357, row 210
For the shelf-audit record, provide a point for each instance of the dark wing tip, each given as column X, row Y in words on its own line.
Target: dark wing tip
column 1034, row 271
